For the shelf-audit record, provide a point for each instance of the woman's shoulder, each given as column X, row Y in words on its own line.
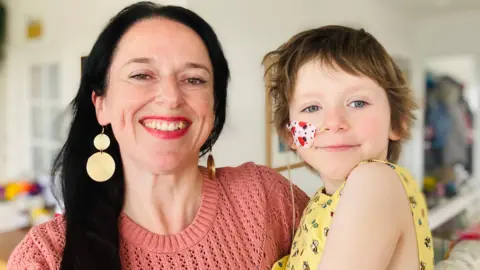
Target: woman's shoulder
column 52, row 231
column 264, row 181
column 252, row 173
column 41, row 247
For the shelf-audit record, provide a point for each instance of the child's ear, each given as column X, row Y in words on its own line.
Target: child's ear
column 395, row 135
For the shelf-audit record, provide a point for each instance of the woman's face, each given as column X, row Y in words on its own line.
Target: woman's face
column 159, row 97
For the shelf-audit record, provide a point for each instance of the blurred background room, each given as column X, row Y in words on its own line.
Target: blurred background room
column 435, row 42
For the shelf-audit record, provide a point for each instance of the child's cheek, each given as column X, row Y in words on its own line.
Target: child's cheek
column 372, row 127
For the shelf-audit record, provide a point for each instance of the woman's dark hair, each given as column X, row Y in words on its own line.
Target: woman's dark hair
column 92, row 209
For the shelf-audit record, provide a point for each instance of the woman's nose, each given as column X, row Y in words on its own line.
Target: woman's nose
column 169, row 93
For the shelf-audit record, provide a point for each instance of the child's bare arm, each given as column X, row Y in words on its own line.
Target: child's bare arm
column 368, row 222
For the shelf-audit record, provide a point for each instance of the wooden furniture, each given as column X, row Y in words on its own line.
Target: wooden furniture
column 8, row 242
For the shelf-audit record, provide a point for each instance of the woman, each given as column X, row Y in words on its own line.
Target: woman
column 154, row 88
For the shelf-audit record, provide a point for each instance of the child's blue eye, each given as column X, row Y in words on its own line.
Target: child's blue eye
column 358, row 104
column 312, row 108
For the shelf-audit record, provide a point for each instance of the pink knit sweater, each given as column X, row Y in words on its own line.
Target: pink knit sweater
column 244, row 222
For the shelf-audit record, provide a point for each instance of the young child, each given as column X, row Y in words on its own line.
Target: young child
column 344, row 106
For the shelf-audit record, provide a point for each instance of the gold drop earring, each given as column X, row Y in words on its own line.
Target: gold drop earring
column 100, row 165
column 211, row 164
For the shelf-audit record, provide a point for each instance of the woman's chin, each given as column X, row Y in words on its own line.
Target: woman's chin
column 166, row 165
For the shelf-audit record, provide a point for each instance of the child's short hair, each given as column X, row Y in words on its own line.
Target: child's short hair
column 353, row 51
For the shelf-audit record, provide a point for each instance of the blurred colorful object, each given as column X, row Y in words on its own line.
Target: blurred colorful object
column 470, row 234
column 450, row 189
column 429, row 183
column 12, row 190
column 40, row 215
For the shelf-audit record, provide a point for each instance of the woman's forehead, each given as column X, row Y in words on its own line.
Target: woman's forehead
column 161, row 40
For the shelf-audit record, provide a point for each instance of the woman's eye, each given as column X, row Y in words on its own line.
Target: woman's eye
column 195, row 81
column 358, row 104
column 142, row 77
column 312, row 108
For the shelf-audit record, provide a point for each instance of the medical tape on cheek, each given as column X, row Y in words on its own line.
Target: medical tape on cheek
column 303, row 133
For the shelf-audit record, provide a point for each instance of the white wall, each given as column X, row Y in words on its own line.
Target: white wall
column 69, row 31
column 3, row 117
column 451, row 35
column 248, row 29
column 65, row 22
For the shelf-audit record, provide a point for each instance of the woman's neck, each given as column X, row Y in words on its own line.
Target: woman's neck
column 163, row 204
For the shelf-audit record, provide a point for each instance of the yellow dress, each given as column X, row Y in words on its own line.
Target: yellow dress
column 311, row 235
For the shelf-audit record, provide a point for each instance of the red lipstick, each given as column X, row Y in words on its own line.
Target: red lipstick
column 158, row 126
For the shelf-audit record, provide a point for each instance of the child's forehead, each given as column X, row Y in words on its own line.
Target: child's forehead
column 315, row 77
column 314, row 72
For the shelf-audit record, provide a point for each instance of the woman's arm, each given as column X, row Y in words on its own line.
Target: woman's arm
column 41, row 248
column 27, row 255
column 279, row 214
column 369, row 220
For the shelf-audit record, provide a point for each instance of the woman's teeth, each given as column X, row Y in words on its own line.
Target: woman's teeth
column 165, row 126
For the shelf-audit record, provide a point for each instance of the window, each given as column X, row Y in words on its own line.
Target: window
column 45, row 116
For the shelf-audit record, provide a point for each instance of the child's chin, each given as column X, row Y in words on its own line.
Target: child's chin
column 335, row 169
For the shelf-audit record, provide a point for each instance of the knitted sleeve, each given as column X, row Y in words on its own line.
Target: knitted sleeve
column 40, row 249
column 27, row 255
column 280, row 213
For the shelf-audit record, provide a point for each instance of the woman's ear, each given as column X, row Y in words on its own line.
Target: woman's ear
column 100, row 109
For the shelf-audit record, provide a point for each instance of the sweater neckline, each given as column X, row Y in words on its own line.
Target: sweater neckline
column 192, row 234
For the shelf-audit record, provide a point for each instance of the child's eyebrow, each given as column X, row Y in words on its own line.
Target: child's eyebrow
column 314, row 93
column 355, row 88
column 310, row 93
column 308, row 96
column 359, row 88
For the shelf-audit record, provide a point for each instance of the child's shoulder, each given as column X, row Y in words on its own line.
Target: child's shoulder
column 381, row 163
column 379, row 183
column 377, row 169
column 387, row 184
column 370, row 171
column 409, row 203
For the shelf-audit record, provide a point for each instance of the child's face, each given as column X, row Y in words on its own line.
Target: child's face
column 351, row 115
